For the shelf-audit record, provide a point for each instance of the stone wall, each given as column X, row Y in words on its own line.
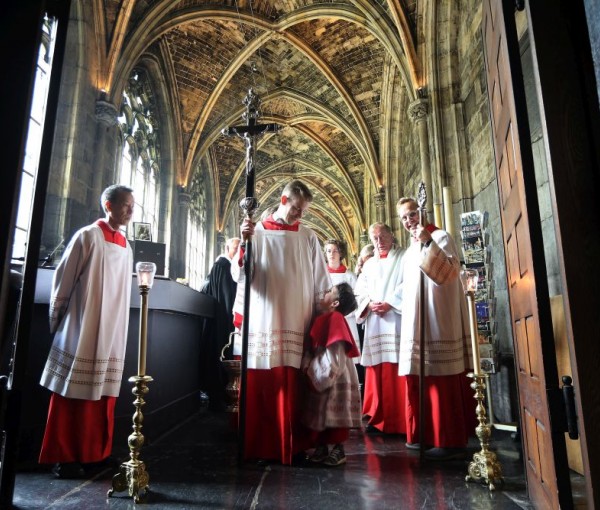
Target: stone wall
column 546, row 206
column 70, row 177
column 479, row 182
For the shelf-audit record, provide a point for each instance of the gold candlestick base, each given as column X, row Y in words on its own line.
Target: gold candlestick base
column 485, row 465
column 132, row 474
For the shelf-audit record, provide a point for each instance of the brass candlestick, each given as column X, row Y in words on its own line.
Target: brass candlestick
column 485, row 465
column 132, row 474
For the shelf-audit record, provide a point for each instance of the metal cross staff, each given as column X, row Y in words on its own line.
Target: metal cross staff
column 422, row 201
column 249, row 204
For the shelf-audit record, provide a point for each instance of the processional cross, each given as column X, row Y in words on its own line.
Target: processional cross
column 422, row 202
column 249, row 204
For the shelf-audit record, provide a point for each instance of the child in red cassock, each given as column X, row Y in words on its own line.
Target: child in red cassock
column 333, row 405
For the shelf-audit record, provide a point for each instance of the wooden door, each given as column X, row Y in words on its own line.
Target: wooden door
column 543, row 447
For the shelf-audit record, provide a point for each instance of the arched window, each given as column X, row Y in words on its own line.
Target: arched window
column 34, row 140
column 140, row 164
column 196, row 233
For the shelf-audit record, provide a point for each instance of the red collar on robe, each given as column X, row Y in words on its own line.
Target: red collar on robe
column 271, row 224
column 341, row 269
column 331, row 327
column 110, row 235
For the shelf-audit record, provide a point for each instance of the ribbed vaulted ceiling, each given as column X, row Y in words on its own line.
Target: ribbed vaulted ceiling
column 318, row 67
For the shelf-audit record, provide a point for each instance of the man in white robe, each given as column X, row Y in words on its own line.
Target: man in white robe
column 432, row 261
column 289, row 279
column 379, row 309
column 89, row 314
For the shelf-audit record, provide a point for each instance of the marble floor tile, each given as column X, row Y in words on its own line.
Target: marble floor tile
column 195, row 466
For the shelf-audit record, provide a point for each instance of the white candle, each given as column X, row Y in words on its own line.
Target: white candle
column 143, row 335
column 474, row 335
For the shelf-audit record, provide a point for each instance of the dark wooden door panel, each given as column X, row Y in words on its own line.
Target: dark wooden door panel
column 535, row 362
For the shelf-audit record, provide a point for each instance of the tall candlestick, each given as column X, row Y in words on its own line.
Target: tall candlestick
column 132, row 474
column 485, row 465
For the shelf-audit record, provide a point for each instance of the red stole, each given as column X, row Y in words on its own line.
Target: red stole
column 342, row 269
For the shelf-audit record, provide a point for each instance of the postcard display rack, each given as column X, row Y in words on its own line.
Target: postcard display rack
column 477, row 256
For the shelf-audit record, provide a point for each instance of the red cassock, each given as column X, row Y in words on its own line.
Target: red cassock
column 384, row 399
column 450, row 418
column 78, row 430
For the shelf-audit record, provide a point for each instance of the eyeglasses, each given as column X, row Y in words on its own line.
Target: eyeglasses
column 409, row 216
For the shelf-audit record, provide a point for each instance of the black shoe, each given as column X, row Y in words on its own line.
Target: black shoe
column 336, row 457
column 372, row 430
column 413, row 446
column 68, row 470
column 320, row 454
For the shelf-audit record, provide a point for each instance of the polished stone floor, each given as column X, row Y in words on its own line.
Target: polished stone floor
column 195, row 466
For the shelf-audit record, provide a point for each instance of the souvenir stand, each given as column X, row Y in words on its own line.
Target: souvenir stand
column 477, row 255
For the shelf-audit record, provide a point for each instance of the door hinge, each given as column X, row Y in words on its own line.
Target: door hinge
column 561, row 403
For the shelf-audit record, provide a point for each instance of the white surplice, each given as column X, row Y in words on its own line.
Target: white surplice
column 290, row 277
column 89, row 310
column 380, row 281
column 447, row 338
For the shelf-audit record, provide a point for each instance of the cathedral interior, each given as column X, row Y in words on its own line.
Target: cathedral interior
column 366, row 100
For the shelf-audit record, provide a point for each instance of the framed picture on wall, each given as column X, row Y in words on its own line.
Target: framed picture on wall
column 141, row 231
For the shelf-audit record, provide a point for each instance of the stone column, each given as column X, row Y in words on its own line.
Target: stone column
column 417, row 112
column 379, row 199
column 106, row 140
column 220, row 243
column 178, row 261
column 364, row 239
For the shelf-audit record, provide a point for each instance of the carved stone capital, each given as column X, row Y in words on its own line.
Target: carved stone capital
column 106, row 113
column 418, row 110
column 379, row 199
column 184, row 199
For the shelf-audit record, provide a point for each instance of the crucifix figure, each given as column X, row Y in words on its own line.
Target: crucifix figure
column 249, row 133
column 249, row 204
